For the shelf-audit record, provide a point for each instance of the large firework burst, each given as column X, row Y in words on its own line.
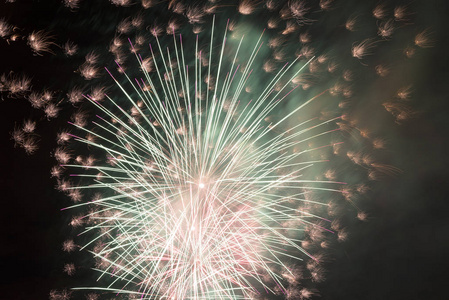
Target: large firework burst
column 208, row 197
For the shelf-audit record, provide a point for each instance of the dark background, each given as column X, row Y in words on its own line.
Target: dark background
column 401, row 253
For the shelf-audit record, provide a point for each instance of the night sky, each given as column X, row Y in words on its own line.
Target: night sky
column 399, row 254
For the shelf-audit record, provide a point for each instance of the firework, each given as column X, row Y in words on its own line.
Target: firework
column 219, row 165
column 203, row 197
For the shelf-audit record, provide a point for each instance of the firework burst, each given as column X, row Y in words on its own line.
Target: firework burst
column 207, row 199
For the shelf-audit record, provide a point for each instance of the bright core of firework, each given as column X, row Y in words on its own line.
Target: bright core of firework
column 202, row 197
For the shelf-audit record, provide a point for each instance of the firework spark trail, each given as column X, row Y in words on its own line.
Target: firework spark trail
column 207, row 219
